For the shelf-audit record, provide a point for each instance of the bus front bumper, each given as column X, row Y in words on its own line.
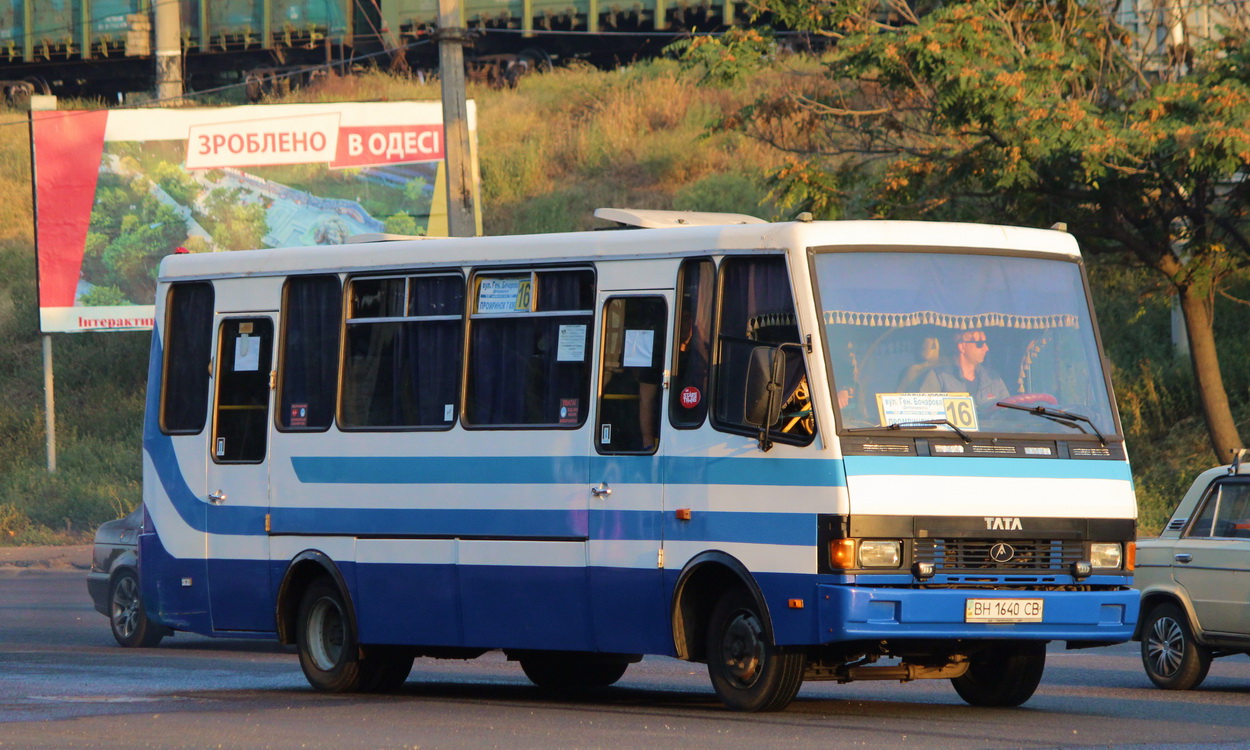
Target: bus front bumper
column 853, row 613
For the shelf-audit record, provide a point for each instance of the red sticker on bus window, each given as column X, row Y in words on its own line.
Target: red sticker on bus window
column 690, row 397
column 568, row 410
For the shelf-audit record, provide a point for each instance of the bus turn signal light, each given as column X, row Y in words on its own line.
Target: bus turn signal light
column 842, row 554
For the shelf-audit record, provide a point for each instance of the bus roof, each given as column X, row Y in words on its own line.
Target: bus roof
column 685, row 239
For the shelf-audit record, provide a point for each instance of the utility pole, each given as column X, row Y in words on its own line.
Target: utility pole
column 168, row 51
column 461, row 211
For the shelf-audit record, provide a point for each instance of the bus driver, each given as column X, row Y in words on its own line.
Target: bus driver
column 968, row 373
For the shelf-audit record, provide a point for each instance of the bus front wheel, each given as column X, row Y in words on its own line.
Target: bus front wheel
column 748, row 671
column 1002, row 675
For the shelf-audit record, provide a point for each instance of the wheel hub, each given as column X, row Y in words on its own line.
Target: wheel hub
column 1165, row 646
column 743, row 647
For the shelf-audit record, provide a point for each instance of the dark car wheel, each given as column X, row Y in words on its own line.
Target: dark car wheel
column 1002, row 675
column 127, row 619
column 1172, row 658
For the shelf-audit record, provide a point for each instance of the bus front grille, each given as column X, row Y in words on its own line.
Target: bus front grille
column 950, row 555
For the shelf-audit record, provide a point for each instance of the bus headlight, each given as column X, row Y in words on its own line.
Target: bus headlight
column 878, row 553
column 1105, row 555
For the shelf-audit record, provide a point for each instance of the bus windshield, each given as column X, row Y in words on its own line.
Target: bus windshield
column 938, row 341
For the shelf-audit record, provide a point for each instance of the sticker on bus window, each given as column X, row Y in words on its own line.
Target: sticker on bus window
column 449, row 412
column 690, row 397
column 299, row 415
column 638, row 348
column 568, row 410
column 246, row 353
column 221, row 446
column 504, row 295
column 572, row 346
column 923, row 407
column 605, row 434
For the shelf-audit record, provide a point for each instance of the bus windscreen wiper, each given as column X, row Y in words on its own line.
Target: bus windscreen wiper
column 1061, row 416
column 927, row 424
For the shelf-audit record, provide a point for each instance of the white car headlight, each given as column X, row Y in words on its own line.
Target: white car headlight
column 876, row 553
column 1105, row 555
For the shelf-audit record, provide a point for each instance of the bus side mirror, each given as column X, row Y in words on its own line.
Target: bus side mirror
column 766, row 372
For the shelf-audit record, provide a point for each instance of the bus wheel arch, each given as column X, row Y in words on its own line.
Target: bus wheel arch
column 305, row 568
column 703, row 582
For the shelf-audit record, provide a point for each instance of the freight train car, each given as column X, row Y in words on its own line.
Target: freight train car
column 105, row 47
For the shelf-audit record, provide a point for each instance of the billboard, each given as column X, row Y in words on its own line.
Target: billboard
column 118, row 190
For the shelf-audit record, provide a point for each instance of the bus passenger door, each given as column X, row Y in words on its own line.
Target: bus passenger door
column 627, row 476
column 238, row 475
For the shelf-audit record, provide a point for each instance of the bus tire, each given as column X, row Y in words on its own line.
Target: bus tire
column 386, row 668
column 325, row 638
column 1003, row 674
column 748, row 671
column 1172, row 658
column 572, row 671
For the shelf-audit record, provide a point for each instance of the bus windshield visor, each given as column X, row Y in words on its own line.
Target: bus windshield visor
column 962, row 343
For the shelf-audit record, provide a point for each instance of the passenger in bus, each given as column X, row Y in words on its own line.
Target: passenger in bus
column 930, row 350
column 968, row 372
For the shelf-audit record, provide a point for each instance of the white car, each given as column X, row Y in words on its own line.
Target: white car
column 1195, row 581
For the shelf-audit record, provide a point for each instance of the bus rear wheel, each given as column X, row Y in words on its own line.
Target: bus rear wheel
column 328, row 651
column 572, row 670
column 748, row 671
column 1002, row 675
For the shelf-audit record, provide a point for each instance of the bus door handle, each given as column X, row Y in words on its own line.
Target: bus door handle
column 217, row 498
column 603, row 490
column 1184, row 557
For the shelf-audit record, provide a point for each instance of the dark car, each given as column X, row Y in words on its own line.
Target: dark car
column 114, row 582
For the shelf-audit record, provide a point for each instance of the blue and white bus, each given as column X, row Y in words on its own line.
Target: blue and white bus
column 792, row 451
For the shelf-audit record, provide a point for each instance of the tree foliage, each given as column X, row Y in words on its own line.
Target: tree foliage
column 1030, row 113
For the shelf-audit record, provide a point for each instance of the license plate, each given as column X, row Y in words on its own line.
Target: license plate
column 1003, row 610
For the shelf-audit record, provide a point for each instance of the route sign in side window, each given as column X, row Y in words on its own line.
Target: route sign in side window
column 188, row 351
column 402, row 359
column 311, row 322
column 529, row 348
column 632, row 375
column 244, row 361
column 692, row 350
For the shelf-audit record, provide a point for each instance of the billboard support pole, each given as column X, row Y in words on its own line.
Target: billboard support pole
column 452, row 36
column 49, row 402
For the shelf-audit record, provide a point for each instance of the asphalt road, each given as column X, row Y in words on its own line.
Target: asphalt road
column 65, row 684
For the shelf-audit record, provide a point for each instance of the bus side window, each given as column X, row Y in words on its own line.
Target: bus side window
column 244, row 361
column 402, row 357
column 632, row 375
column 529, row 348
column 188, row 351
column 757, row 309
column 311, row 312
column 692, row 352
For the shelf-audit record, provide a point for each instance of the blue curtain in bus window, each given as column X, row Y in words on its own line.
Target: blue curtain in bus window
column 310, row 349
column 404, row 371
column 527, row 369
column 430, row 376
column 188, row 352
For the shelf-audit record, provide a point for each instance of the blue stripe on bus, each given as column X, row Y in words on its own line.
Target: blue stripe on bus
column 772, row 472
column 986, row 466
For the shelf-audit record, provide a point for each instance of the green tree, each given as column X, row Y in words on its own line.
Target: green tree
column 1039, row 112
column 401, row 223
column 174, row 180
column 236, row 225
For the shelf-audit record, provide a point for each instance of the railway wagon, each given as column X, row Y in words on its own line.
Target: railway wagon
column 99, row 46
